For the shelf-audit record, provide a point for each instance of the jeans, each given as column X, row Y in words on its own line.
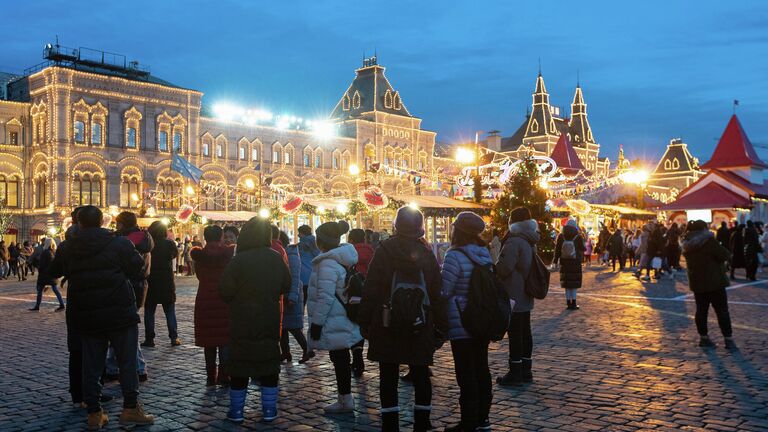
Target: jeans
column 114, row 369
column 520, row 338
column 570, row 293
column 241, row 383
column 4, row 268
column 125, row 342
column 343, row 370
column 170, row 320
column 389, row 377
column 54, row 288
column 470, row 358
column 719, row 301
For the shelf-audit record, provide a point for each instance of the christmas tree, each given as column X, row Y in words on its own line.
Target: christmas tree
column 524, row 189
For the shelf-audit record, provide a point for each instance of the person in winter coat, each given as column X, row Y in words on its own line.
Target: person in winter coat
column 308, row 251
column 4, row 266
column 655, row 248
column 211, row 313
column 616, row 249
column 102, row 310
column 13, row 260
column 588, row 250
column 365, row 252
column 707, row 278
column 723, row 235
column 44, row 277
column 673, row 246
column 602, row 245
column 642, row 251
column 329, row 327
column 187, row 248
column 470, row 355
column 162, row 288
column 230, row 235
column 404, row 256
column 752, row 250
column 253, row 284
column 569, row 249
column 293, row 306
column 513, row 267
column 738, row 259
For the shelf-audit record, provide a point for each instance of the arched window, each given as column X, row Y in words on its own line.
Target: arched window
column 129, row 192
column 9, row 190
column 288, row 155
column 79, row 131
column 318, row 158
column 132, row 121
column 336, row 160
column 219, row 151
column 241, row 153
column 86, row 189
column 98, row 122
column 130, row 137
column 41, row 191
column 254, row 154
column 277, row 154
column 96, row 133
column 162, row 141
column 171, row 194
column 177, row 142
column 206, row 149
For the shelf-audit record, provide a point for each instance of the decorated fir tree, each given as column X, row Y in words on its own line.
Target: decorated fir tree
column 523, row 189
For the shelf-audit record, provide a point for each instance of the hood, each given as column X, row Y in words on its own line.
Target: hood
column 308, row 243
column 478, row 254
column 140, row 239
column 364, row 249
column 71, row 232
column 345, row 255
column 695, row 240
column 570, row 232
column 90, row 241
column 407, row 253
column 527, row 230
column 212, row 252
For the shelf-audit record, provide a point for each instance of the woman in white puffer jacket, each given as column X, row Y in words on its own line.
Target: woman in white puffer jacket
column 329, row 327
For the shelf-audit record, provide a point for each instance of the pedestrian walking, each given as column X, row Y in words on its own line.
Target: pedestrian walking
column 403, row 260
column 569, row 249
column 44, row 277
column 13, row 260
column 293, row 305
column 364, row 256
column 616, row 249
column 307, row 251
column 24, row 258
column 252, row 285
column 211, row 313
column 588, row 250
column 188, row 261
column 4, row 266
column 470, row 355
column 673, row 246
column 642, row 251
column 330, row 329
column 103, row 310
column 513, row 268
column 724, row 235
column 705, row 261
column 162, row 286
column 602, row 245
column 752, row 250
column 738, row 259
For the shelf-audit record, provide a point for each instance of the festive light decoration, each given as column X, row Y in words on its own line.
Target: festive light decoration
column 291, row 205
column 185, row 213
column 374, row 198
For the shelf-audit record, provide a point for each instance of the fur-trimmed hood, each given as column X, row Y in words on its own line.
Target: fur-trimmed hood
column 696, row 240
column 527, row 230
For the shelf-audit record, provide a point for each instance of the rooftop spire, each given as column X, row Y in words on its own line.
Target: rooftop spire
column 579, row 125
column 734, row 149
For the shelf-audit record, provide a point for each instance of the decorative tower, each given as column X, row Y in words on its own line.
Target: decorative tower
column 581, row 132
column 541, row 131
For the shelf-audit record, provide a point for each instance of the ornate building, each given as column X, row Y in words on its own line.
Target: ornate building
column 677, row 169
column 543, row 127
column 79, row 131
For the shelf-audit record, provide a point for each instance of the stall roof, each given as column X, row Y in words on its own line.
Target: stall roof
column 227, row 216
column 437, row 202
column 712, row 196
column 624, row 210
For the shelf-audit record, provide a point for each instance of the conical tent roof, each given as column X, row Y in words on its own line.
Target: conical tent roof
column 734, row 149
column 565, row 156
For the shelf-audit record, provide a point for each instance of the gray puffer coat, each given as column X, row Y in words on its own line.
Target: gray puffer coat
column 515, row 262
column 457, row 271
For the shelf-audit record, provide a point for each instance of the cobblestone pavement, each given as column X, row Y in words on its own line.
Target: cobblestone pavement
column 627, row 360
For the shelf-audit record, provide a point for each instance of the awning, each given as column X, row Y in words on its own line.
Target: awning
column 713, row 196
column 438, row 202
column 625, row 211
column 227, row 216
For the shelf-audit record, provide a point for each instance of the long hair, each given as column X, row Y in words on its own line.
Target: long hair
column 49, row 244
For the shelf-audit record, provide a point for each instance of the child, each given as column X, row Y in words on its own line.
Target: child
column 588, row 251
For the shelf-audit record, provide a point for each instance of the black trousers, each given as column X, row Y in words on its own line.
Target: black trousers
column 298, row 334
column 125, row 343
column 389, row 377
column 719, row 302
column 343, row 370
column 520, row 338
column 241, row 383
column 76, row 376
column 470, row 358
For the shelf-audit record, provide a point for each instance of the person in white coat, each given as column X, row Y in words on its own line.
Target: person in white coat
column 329, row 327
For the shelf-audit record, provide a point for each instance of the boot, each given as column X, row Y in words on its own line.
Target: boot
column 730, row 344
column 269, row 403
column 222, row 378
column 210, row 375
column 136, row 417
column 390, row 420
column 514, row 377
column 568, row 303
column 574, row 306
column 358, row 364
column 98, row 419
column 236, row 405
column 526, row 374
column 421, row 415
column 705, row 342
column 345, row 404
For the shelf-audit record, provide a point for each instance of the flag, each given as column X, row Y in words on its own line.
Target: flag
column 185, row 168
column 736, row 102
column 257, row 167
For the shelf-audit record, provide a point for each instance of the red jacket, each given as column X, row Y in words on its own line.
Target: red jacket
column 364, row 257
column 211, row 313
column 276, row 245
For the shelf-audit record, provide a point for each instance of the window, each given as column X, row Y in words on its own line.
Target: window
column 254, row 154
column 335, row 161
column 14, row 138
column 96, row 133
column 129, row 192
column 241, row 153
column 162, row 141
column 79, row 131
column 306, row 160
column 41, row 192
column 9, row 190
column 318, row 160
column 206, row 150
column 177, row 142
column 130, row 138
column 287, row 158
column 171, row 194
column 86, row 189
column 219, row 151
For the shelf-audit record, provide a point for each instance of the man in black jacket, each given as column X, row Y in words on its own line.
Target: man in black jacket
column 102, row 308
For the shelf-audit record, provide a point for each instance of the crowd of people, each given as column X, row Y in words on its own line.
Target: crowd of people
column 257, row 290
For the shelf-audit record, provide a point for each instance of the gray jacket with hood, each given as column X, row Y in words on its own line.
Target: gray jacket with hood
column 515, row 262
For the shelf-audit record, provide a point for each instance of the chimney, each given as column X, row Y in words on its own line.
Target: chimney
column 493, row 140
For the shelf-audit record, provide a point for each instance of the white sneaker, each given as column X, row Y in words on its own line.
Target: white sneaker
column 345, row 404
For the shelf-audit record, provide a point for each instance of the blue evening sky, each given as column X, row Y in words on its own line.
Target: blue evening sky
column 650, row 70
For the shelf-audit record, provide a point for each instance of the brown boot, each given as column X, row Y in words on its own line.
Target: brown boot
column 136, row 416
column 98, row 419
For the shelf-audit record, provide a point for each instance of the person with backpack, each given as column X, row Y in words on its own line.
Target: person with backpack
column 569, row 249
column 470, row 352
column 403, row 316
column 330, row 328
column 293, row 307
column 514, row 266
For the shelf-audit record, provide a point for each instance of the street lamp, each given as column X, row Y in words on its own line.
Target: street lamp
column 249, row 184
column 465, row 155
column 354, row 170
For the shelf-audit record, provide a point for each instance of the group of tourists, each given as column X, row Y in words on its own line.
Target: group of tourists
column 16, row 259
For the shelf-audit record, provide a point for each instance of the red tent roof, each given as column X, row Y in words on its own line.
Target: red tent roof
column 734, row 149
column 712, row 196
column 565, row 156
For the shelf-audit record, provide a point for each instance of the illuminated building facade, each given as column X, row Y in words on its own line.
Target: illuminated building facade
column 79, row 131
column 677, row 169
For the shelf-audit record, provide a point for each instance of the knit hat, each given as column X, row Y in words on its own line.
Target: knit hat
column 330, row 233
column 572, row 223
column 409, row 222
column 469, row 222
column 519, row 214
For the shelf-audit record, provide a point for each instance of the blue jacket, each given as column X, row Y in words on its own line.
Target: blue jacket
column 293, row 316
column 457, row 270
column 308, row 251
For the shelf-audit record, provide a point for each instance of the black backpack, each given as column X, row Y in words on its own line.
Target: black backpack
column 353, row 291
column 537, row 281
column 488, row 311
column 408, row 303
